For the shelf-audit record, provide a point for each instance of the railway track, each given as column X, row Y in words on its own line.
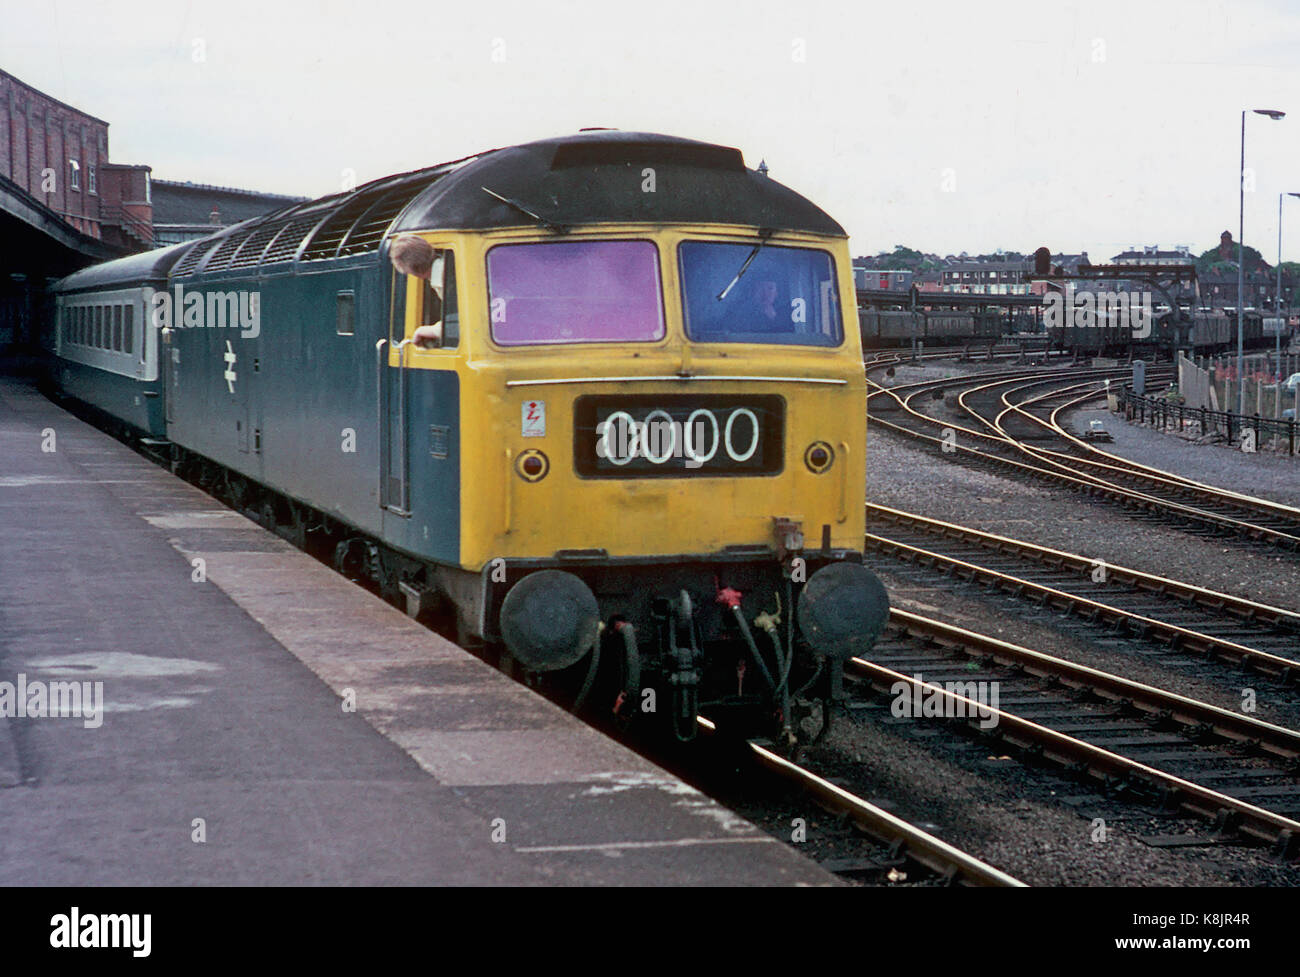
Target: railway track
column 1081, row 456
column 1159, row 495
column 1187, row 619
column 903, row 843
column 1128, row 739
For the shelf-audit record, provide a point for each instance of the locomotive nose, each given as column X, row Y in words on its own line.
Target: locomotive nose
column 549, row 620
column 843, row 610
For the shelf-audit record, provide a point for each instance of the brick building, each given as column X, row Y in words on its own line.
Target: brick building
column 58, row 155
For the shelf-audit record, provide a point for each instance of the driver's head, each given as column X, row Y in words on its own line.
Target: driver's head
column 766, row 292
column 412, row 255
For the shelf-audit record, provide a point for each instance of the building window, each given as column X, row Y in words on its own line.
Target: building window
column 74, row 174
column 90, row 180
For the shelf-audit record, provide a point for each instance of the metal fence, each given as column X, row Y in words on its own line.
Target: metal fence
column 1169, row 416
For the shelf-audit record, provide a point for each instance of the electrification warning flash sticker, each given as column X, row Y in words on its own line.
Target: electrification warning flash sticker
column 533, row 424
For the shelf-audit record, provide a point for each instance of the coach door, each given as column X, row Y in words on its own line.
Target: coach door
column 169, row 357
column 391, row 354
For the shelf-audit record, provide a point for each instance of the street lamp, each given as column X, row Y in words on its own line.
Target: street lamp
column 1273, row 114
column 1280, row 317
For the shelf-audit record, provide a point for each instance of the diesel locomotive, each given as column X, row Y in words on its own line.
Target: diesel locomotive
column 598, row 400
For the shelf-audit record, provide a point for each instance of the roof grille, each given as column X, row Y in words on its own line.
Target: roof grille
column 250, row 252
column 371, row 226
column 192, row 257
column 225, row 251
column 325, row 242
column 342, row 224
column 285, row 244
column 360, row 224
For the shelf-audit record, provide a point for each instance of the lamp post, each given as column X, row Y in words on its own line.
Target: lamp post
column 1273, row 114
column 1280, row 317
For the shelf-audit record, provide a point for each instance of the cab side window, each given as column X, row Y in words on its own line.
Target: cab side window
column 429, row 274
column 438, row 299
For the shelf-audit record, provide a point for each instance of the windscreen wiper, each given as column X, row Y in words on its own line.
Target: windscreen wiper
column 550, row 225
column 763, row 234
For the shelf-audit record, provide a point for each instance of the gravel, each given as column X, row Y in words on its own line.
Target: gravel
column 1031, row 823
column 1267, row 474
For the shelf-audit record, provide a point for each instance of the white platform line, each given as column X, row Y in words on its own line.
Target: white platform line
column 672, row 843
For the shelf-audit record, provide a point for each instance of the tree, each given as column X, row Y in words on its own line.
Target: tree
column 1211, row 263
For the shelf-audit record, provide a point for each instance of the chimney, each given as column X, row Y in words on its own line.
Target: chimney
column 215, row 216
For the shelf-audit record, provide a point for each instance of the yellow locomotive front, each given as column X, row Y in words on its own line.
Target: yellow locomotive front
column 662, row 455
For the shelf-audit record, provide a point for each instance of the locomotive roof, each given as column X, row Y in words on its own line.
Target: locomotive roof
column 589, row 178
column 598, row 177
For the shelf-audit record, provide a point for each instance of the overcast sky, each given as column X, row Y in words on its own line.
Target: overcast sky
column 948, row 126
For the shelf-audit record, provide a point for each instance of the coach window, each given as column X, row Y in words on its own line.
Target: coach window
column 117, row 328
column 128, row 329
column 98, row 340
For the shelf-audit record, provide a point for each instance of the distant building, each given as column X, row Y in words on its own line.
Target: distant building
column 988, row 276
column 1219, row 289
column 889, row 279
column 58, row 155
column 186, row 211
column 929, row 281
column 1153, row 255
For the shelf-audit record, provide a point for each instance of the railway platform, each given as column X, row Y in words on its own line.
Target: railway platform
column 230, row 711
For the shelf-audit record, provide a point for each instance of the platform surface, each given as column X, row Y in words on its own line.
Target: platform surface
column 225, row 752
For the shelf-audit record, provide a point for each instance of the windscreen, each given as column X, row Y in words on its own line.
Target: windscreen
column 575, row 292
column 744, row 293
